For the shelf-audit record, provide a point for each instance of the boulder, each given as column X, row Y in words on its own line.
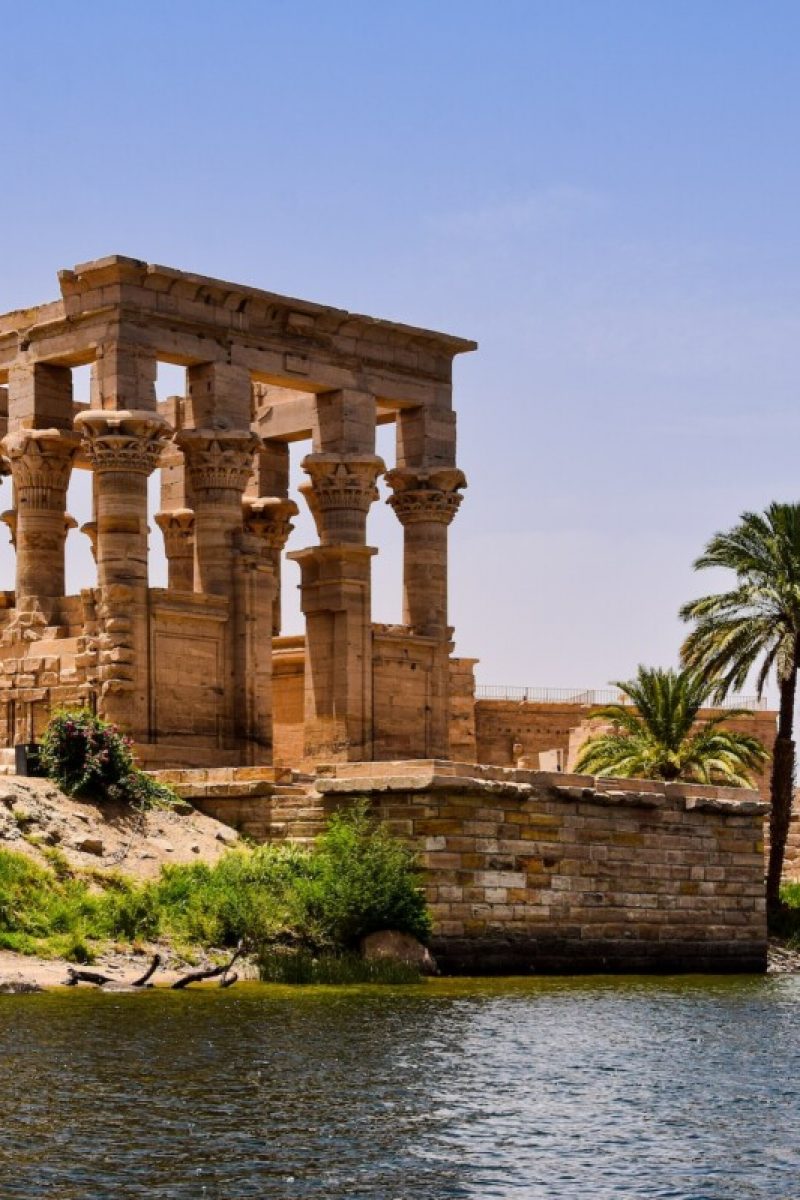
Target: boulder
column 90, row 845
column 391, row 943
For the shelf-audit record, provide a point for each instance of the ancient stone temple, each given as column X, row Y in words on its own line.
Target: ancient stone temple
column 198, row 671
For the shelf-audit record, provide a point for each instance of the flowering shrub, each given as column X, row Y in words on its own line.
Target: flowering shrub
column 83, row 754
column 86, row 756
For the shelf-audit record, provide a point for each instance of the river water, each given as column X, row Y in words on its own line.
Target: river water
column 601, row 1088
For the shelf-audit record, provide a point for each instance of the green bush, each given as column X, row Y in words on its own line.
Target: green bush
column 361, row 879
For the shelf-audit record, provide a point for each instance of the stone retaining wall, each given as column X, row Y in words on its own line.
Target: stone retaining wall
column 534, row 872
column 527, row 871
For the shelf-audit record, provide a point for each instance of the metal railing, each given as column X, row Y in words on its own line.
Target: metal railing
column 591, row 697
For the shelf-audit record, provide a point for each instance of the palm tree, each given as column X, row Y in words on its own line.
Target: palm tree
column 756, row 624
column 660, row 737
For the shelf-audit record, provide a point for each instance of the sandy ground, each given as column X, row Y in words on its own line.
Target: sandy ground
column 27, row 973
column 34, row 814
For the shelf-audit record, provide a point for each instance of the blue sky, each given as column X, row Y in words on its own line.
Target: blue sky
column 605, row 195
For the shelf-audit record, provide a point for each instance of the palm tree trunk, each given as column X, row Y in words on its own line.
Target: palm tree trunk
column 781, row 793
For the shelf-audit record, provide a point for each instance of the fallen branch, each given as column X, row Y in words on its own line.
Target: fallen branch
column 95, row 977
column 208, row 973
column 151, row 970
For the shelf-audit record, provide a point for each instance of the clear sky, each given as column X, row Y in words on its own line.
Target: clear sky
column 605, row 195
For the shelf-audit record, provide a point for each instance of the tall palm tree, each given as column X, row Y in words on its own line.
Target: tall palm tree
column 661, row 738
column 756, row 624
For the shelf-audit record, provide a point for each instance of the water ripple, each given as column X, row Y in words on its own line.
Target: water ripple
column 623, row 1089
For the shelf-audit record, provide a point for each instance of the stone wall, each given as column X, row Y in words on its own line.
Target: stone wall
column 533, row 872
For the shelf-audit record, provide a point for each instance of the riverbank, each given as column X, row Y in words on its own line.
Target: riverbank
column 20, row 973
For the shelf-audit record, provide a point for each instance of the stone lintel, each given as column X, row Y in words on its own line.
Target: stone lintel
column 164, row 288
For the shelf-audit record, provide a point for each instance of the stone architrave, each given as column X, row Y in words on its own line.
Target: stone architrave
column 425, row 502
column 41, row 463
column 123, row 449
column 177, row 526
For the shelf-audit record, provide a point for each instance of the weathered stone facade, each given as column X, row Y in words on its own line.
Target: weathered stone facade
column 188, row 669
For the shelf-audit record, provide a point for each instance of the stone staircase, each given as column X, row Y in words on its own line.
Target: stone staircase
column 263, row 803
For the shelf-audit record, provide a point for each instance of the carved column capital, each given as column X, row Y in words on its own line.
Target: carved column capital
column 340, row 492
column 177, row 526
column 128, row 441
column 268, row 518
column 425, row 495
column 217, row 461
column 41, row 461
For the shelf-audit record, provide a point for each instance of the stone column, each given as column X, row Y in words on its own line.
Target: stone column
column 218, row 466
column 425, row 501
column 270, row 479
column 266, row 527
column 336, row 602
column 177, row 526
column 426, row 498
column 123, row 449
column 41, row 463
column 269, row 518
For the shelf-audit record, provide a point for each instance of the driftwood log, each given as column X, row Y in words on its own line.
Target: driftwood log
column 75, row 977
column 209, row 973
column 226, row 979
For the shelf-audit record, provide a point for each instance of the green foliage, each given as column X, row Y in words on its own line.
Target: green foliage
column 660, row 737
column 248, row 895
column 362, row 879
column 757, row 621
column 142, row 791
column 356, row 879
column 86, row 756
column 756, row 626
column 786, row 922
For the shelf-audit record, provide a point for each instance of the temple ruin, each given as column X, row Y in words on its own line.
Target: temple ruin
column 525, row 869
column 198, row 672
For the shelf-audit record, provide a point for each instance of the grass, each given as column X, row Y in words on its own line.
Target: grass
column 302, row 912
column 301, row 966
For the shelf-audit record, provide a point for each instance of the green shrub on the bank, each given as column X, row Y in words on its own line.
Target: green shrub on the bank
column 88, row 757
column 318, row 902
column 362, row 879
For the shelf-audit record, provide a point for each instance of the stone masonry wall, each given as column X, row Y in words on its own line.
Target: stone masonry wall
column 527, row 871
